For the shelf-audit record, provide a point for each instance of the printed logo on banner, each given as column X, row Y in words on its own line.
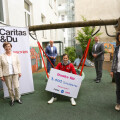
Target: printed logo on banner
column 11, row 35
column 62, row 91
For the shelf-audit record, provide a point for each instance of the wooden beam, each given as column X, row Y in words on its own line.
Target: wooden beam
column 74, row 24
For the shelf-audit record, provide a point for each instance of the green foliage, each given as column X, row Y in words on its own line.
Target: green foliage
column 71, row 53
column 83, row 37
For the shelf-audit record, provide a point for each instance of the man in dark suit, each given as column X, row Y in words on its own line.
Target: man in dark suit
column 98, row 54
column 51, row 52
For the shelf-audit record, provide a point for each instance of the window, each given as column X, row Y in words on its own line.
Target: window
column 43, row 20
column 27, row 14
column 1, row 11
column 62, row 17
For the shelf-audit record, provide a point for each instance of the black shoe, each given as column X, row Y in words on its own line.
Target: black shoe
column 11, row 103
column 19, row 101
column 97, row 81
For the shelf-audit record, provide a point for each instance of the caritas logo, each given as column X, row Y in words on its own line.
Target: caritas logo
column 10, row 35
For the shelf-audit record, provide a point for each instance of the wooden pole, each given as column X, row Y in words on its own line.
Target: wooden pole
column 74, row 24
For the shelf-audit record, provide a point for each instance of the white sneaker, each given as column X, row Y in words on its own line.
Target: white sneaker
column 52, row 100
column 73, row 101
column 117, row 107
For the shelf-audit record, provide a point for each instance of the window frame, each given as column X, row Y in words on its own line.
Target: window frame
column 27, row 13
column 43, row 21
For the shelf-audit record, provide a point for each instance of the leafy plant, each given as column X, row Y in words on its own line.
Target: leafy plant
column 71, row 53
column 83, row 37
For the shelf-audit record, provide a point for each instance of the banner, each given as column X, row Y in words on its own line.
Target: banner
column 19, row 38
column 64, row 83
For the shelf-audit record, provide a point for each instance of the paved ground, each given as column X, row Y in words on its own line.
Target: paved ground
column 95, row 101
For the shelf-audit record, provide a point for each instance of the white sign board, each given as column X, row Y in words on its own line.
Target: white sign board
column 64, row 83
column 19, row 38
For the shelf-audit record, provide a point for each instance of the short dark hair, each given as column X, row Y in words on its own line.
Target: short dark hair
column 65, row 55
column 117, row 36
column 6, row 43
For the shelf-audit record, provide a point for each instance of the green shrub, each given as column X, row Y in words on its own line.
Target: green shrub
column 83, row 37
column 71, row 53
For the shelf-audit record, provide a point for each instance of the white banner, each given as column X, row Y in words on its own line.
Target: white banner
column 64, row 83
column 19, row 38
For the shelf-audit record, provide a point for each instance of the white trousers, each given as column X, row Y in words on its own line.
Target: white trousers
column 12, row 82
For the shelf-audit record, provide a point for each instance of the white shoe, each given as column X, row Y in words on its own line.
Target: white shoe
column 117, row 107
column 52, row 100
column 73, row 101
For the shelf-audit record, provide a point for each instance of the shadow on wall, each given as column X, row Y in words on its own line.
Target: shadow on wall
column 36, row 59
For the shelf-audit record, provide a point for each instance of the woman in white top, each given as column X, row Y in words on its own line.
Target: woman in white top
column 116, row 70
column 10, row 72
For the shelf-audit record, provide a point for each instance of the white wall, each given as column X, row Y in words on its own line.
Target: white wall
column 16, row 13
column 51, row 15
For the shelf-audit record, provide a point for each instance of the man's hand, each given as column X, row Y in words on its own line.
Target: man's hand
column 52, row 57
column 111, row 73
column 94, row 55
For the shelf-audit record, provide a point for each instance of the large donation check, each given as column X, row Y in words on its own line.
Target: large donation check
column 64, row 83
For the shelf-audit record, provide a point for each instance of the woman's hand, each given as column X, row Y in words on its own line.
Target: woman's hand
column 2, row 78
column 20, row 75
column 111, row 73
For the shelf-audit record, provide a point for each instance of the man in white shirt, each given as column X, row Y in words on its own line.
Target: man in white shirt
column 51, row 52
column 98, row 54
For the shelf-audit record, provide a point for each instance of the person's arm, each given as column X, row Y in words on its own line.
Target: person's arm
column 18, row 65
column 73, row 69
column 1, row 72
column 47, row 52
column 58, row 66
column 113, row 64
column 55, row 52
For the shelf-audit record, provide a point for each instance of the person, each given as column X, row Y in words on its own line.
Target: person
column 66, row 66
column 51, row 52
column 10, row 72
column 115, row 69
column 98, row 54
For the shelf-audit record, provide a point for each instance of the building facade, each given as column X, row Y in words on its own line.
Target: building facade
column 25, row 13
column 96, row 10
column 66, row 14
